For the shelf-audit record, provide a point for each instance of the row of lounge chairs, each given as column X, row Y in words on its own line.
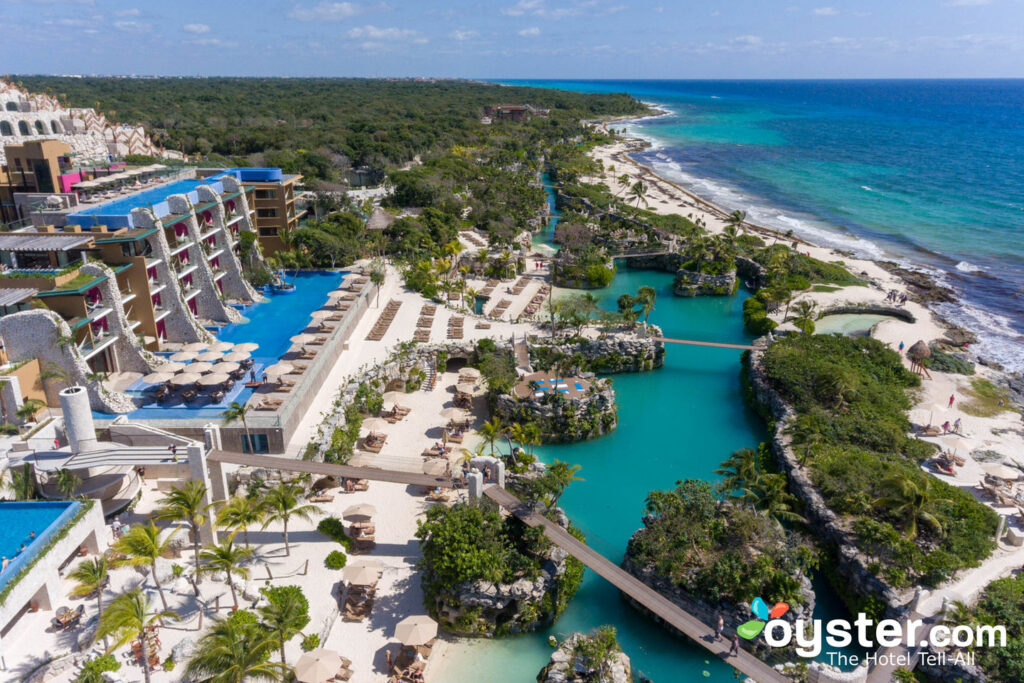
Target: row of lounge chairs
column 384, row 321
column 455, row 327
column 424, row 323
column 374, row 442
column 502, row 306
column 358, row 602
column 536, row 301
column 395, row 414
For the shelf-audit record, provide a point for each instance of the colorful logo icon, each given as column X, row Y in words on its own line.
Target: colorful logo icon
column 750, row 629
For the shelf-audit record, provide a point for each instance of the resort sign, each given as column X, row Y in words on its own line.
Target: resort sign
column 811, row 636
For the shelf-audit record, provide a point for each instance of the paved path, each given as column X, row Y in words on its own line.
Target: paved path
column 328, row 469
column 661, row 606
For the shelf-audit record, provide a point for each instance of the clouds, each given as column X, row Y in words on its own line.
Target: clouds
column 374, row 38
column 133, row 26
column 825, row 12
column 531, row 32
column 462, row 35
column 968, row 3
column 326, row 11
column 197, row 28
column 523, row 7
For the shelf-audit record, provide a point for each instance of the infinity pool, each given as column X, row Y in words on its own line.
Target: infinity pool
column 269, row 324
column 18, row 520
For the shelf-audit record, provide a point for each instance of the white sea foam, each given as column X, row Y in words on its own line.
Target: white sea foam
column 997, row 339
column 967, row 267
column 866, row 188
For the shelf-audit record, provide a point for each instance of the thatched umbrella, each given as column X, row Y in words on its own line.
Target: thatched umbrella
column 919, row 351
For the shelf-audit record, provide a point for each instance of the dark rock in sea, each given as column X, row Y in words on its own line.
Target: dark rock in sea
column 921, row 286
column 958, row 336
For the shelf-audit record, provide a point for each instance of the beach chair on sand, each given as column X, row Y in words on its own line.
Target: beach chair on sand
column 322, row 498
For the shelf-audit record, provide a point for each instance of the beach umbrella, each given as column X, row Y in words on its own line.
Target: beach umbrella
column 182, row 356
column 317, row 666
column 278, row 369
column 199, row 367
column 225, row 368
column 222, row 346
column 236, row 356
column 435, row 467
column 303, row 338
column 919, row 351
column 453, row 414
column 394, row 396
column 416, row 630
column 935, row 408
column 169, row 368
column 321, row 314
column 363, row 573
column 958, row 444
column 359, row 512
column 195, row 346
column 157, row 377
column 209, row 356
column 465, row 388
column 185, row 378
column 214, row 379
column 471, row 373
column 248, row 347
column 375, row 424
column 1001, row 471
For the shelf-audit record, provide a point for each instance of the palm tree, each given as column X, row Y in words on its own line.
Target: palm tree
column 90, row 578
column 736, row 219
column 913, row 502
column 624, row 182
column 491, row 431
column 67, row 482
column 233, row 651
column 241, row 512
column 186, row 504
column 646, row 296
column 560, row 475
column 282, row 503
column 740, row 470
column 127, row 617
column 638, row 192
column 377, row 276
column 804, row 310
column 228, row 559
column 142, row 545
column 526, row 435
column 237, row 411
column 22, row 484
column 768, row 493
column 285, row 614
column 699, row 251
column 26, row 412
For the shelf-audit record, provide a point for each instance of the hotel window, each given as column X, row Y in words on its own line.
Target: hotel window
column 266, row 213
column 266, row 194
column 260, row 443
column 268, row 232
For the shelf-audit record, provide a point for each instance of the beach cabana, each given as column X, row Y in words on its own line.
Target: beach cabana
column 416, row 630
column 318, row 666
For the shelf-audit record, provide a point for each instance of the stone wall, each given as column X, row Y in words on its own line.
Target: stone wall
column 131, row 357
column 609, row 354
column 851, row 563
column 689, row 283
column 751, row 272
column 871, row 309
column 566, row 667
column 562, row 419
column 667, row 263
column 208, row 302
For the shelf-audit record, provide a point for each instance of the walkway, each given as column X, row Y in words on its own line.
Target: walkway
column 328, row 469
column 658, row 604
column 719, row 345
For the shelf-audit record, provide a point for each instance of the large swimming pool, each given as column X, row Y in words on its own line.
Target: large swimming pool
column 155, row 195
column 269, row 324
column 18, row 520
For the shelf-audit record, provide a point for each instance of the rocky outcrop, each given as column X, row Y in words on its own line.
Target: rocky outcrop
column 667, row 263
column 751, row 272
column 690, row 283
column 486, row 609
column 870, row 308
column 607, row 355
column 562, row 419
column 569, row 665
column 921, row 286
column 850, row 562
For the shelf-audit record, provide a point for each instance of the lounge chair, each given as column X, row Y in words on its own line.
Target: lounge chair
column 322, row 498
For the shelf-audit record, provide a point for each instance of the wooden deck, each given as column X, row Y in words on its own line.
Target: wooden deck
column 327, row 469
column 717, row 345
column 664, row 608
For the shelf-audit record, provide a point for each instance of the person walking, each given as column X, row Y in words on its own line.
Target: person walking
column 720, row 627
column 957, row 425
column 735, row 649
column 951, row 399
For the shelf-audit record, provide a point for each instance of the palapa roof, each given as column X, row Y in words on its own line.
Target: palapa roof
column 918, row 351
column 379, row 219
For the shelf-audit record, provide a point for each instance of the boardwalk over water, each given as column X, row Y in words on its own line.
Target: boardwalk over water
column 718, row 345
column 664, row 608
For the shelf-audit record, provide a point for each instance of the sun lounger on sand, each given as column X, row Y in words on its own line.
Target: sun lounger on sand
column 322, row 498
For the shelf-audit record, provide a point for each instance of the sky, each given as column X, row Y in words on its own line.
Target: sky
column 517, row 38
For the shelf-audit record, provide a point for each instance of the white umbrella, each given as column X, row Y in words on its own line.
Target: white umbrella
column 281, row 368
column 471, row 373
column 361, row 574
column 236, row 356
column 1001, row 471
column 199, row 367
column 209, row 356
column 225, row 368
column 157, row 377
column 934, row 408
column 195, row 346
column 416, row 630
column 958, row 444
column 247, row 346
column 214, row 379
column 360, row 511
column 394, row 396
column 183, row 356
column 185, row 378
column 222, row 346
column 302, row 338
column 321, row 314
column 453, row 414
column 375, row 424
column 169, row 368
column 435, row 467
column 317, row 666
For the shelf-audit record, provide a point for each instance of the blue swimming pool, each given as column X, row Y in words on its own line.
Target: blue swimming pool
column 144, row 198
column 18, row 520
column 269, row 324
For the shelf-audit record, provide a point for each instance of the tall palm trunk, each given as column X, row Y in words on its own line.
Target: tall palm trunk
column 287, row 549
column 195, row 553
column 145, row 652
column 231, row 585
column 248, row 437
column 159, row 588
column 245, row 535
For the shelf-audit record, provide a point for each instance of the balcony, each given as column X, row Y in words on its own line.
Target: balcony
column 99, row 342
column 214, row 252
column 160, row 312
column 186, row 269
column 209, row 232
column 156, row 288
column 190, row 292
column 181, row 246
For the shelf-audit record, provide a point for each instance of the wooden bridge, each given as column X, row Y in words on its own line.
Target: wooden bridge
column 659, row 605
column 717, row 345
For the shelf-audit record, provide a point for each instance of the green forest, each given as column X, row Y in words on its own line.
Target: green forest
column 319, row 126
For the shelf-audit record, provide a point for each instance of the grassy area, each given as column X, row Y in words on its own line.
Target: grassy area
column 825, row 288
column 986, row 399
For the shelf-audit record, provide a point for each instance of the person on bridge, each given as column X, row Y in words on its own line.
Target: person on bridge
column 735, row 649
column 720, row 627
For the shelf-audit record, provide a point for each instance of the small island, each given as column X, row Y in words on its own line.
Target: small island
column 595, row 657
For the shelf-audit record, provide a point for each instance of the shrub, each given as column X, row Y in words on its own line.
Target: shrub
column 755, row 317
column 334, row 529
column 335, row 560
column 8, row 429
column 169, row 664
column 310, row 642
column 92, row 671
column 947, row 362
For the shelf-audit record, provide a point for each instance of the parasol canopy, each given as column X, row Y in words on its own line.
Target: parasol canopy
column 236, row 356
column 214, row 379
column 196, row 346
column 317, row 666
column 169, row 368
column 374, row 424
column 394, row 396
column 182, row 356
column 226, row 368
column 280, row 368
column 209, row 356
column 416, row 630
column 470, row 373
column 435, row 467
column 185, row 378
column 303, row 338
column 248, row 347
column 359, row 512
column 453, row 414
column 221, row 346
column 321, row 314
column 199, row 367
column 363, row 573
column 465, row 388
column 157, row 377
column 1001, row 471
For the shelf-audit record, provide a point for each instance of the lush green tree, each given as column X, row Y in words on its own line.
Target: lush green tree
column 237, row 411
column 228, row 558
column 68, row 482
column 912, row 502
column 235, row 651
column 240, row 513
column 90, row 578
column 141, row 546
column 186, row 504
column 282, row 504
column 285, row 614
column 559, row 475
column 127, row 617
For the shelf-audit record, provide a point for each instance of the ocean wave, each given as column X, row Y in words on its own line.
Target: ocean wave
column 997, row 339
column 866, row 188
column 967, row 267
